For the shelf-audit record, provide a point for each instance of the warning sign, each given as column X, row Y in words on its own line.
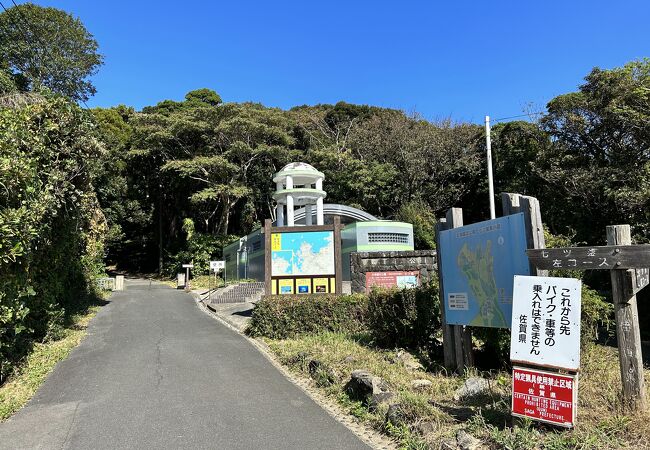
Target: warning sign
column 545, row 396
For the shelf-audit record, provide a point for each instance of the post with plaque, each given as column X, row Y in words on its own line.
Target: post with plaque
column 545, row 339
column 628, row 265
column 187, row 268
column 215, row 266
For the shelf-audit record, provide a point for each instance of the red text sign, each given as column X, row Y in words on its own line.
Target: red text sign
column 545, row 396
column 404, row 279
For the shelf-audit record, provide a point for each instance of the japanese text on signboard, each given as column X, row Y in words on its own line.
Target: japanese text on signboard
column 546, row 322
column 545, row 396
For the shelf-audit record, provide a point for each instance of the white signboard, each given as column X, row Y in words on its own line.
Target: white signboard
column 188, row 266
column 217, row 265
column 546, row 322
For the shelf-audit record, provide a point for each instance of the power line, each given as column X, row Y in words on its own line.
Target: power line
column 520, row 115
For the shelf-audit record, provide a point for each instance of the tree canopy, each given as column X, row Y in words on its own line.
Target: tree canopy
column 46, row 47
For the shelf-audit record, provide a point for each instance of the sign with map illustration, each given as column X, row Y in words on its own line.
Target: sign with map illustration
column 479, row 262
column 302, row 254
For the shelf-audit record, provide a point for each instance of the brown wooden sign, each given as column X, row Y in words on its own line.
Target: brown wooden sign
column 605, row 257
column 637, row 280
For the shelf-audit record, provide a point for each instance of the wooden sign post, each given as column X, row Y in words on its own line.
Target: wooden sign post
column 457, row 339
column 628, row 265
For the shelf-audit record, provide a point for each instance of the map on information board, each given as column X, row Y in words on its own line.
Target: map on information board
column 302, row 253
column 479, row 262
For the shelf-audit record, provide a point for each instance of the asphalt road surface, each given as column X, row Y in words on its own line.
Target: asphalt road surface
column 155, row 371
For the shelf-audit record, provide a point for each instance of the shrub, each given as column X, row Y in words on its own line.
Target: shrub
column 51, row 227
column 407, row 318
column 281, row 317
column 200, row 248
column 596, row 312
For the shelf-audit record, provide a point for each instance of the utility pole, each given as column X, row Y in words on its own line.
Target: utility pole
column 160, row 229
column 489, row 166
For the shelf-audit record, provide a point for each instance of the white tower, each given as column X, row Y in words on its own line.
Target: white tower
column 299, row 184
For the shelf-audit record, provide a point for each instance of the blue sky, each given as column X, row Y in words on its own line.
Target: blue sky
column 455, row 59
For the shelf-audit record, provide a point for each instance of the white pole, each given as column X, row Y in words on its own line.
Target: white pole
column 279, row 214
column 489, row 164
column 289, row 184
column 319, row 204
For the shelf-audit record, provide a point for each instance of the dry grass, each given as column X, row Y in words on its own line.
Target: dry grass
column 433, row 417
column 20, row 388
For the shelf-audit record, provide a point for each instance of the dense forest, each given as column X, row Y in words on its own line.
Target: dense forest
column 146, row 190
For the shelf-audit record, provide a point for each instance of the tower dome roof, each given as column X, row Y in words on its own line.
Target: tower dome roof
column 298, row 166
column 301, row 172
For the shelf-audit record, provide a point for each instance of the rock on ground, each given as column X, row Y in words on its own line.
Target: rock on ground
column 408, row 361
column 473, row 387
column 367, row 387
column 420, row 384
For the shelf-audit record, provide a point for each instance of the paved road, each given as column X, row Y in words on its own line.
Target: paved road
column 157, row 372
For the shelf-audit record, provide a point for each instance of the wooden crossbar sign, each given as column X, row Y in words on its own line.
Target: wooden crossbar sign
column 637, row 280
column 628, row 265
column 606, row 257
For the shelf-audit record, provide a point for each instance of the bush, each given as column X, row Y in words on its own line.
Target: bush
column 51, row 227
column 596, row 312
column 407, row 318
column 281, row 317
column 200, row 249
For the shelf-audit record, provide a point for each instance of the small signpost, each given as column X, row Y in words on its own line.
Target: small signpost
column 215, row 266
column 628, row 265
column 546, row 322
column 545, row 333
column 187, row 268
column 584, row 258
column 545, row 396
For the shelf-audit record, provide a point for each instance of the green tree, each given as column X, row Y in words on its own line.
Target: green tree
column 600, row 157
column 515, row 148
column 47, row 47
column 420, row 215
column 245, row 137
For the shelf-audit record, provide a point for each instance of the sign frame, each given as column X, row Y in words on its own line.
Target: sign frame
column 216, row 266
column 566, row 356
column 391, row 274
column 603, row 257
column 272, row 282
column 545, row 374
column 454, row 240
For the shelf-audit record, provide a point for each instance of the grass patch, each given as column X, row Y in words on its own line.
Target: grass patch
column 28, row 377
column 430, row 416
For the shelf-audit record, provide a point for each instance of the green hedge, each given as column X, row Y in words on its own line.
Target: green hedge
column 408, row 318
column 286, row 316
column 51, row 227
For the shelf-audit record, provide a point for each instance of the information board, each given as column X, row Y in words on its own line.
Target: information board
column 546, row 396
column 302, row 253
column 546, row 322
column 479, row 262
column 399, row 279
column 302, row 260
